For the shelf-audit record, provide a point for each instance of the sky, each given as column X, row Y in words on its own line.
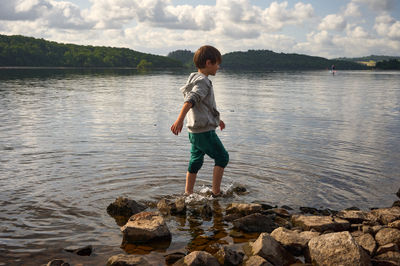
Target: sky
column 328, row 28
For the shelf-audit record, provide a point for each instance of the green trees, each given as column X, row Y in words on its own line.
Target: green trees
column 27, row 51
column 392, row 64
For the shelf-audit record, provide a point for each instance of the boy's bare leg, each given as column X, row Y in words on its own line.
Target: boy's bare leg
column 217, row 178
column 190, row 180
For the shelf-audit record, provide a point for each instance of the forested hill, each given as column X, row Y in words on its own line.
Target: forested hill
column 26, row 51
column 268, row 60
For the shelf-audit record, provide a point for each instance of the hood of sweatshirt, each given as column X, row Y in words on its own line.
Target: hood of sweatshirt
column 194, row 79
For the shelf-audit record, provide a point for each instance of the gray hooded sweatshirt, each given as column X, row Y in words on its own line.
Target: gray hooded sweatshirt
column 203, row 116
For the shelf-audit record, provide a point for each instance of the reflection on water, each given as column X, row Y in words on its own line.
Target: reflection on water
column 74, row 140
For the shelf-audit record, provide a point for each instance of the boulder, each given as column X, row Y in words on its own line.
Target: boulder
column 243, row 208
column 387, row 236
column 353, row 216
column 255, row 222
column 367, row 242
column 166, row 206
column 385, row 215
column 320, row 223
column 270, row 249
column 337, row 249
column 197, row 258
column 127, row 260
column 124, row 207
column 146, row 227
column 293, row 241
column 391, row 256
column 257, row 261
column 228, row 255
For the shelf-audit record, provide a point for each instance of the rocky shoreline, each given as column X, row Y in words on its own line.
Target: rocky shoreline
column 281, row 236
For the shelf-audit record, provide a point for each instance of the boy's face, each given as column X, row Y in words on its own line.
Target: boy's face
column 212, row 68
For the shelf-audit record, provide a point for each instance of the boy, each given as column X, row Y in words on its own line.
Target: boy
column 203, row 119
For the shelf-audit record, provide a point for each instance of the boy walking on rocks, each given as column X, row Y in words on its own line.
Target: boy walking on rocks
column 202, row 119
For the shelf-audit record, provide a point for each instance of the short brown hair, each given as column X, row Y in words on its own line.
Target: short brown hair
column 204, row 53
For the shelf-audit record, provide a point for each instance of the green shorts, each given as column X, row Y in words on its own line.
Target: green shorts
column 206, row 143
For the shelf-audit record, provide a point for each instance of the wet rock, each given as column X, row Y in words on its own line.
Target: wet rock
column 320, row 223
column 239, row 189
column 174, row 257
column 393, row 257
column 57, row 262
column 146, row 227
column 385, row 215
column 395, row 224
column 255, row 222
column 337, row 249
column 206, row 211
column 177, row 207
column 243, row 208
column 293, row 241
column 227, row 255
column 270, row 249
column 281, row 212
column 386, row 248
column 81, row 251
column 367, row 242
column 231, row 217
column 124, row 207
column 197, row 258
column 387, row 236
column 257, row 261
column 127, row 260
column 353, row 216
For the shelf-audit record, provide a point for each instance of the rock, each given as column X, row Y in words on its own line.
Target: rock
column 293, row 241
column 257, row 261
column 243, row 208
column 396, row 203
column 127, row 260
column 367, row 242
column 197, row 258
column 371, row 229
column 388, row 235
column 395, row 224
column 167, row 207
column 385, row 215
column 376, row 262
column 320, row 223
column 398, row 193
column 255, row 222
column 146, row 227
column 239, row 189
column 81, row 251
column 227, row 255
column 386, row 248
column 337, row 249
column 173, row 257
column 281, row 212
column 353, row 216
column 206, row 211
column 231, row 217
column 270, row 249
column 389, row 256
column 282, row 222
column 124, row 207
column 57, row 262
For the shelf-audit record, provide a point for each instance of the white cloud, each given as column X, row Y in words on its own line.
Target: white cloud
column 379, row 5
column 387, row 26
column 352, row 10
column 333, row 22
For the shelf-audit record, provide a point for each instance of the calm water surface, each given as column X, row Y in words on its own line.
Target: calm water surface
column 72, row 141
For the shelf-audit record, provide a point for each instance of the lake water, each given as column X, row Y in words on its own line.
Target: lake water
column 74, row 140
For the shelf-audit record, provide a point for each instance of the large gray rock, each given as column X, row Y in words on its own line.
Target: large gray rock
column 255, row 222
column 387, row 236
column 337, row 249
column 385, row 215
column 293, row 241
column 146, row 227
column 353, row 216
column 127, row 260
column 243, row 208
column 124, row 207
column 270, row 249
column 197, row 258
column 227, row 255
column 257, row 261
column 367, row 242
column 320, row 223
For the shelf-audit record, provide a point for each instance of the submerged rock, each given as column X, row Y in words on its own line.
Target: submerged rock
column 127, row 260
column 177, row 207
column 124, row 207
column 173, row 257
column 81, row 251
column 243, row 208
column 146, row 227
column 255, row 222
column 337, row 249
column 197, row 258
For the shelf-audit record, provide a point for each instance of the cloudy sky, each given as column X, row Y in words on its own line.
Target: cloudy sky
column 329, row 28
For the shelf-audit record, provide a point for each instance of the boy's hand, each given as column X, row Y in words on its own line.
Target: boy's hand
column 221, row 125
column 176, row 127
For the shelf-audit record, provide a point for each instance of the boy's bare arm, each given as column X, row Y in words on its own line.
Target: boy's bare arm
column 176, row 128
